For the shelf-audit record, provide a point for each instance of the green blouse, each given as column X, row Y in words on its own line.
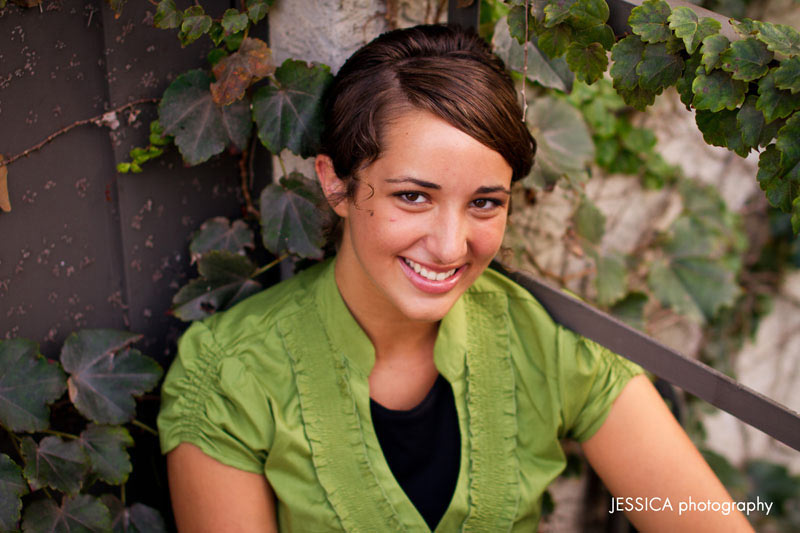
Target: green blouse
column 278, row 385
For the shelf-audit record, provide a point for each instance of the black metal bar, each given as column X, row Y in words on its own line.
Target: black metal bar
column 693, row 376
column 465, row 13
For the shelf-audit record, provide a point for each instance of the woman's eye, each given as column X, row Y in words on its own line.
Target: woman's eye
column 412, row 197
column 486, row 203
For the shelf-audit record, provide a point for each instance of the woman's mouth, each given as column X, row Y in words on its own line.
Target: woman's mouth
column 430, row 280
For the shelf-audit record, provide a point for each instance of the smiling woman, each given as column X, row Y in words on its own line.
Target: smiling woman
column 401, row 385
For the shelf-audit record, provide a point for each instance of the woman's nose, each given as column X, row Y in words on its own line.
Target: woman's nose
column 448, row 239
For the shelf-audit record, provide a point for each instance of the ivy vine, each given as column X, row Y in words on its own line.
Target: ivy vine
column 103, row 374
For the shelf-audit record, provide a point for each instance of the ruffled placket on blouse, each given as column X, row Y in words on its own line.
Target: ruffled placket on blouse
column 472, row 352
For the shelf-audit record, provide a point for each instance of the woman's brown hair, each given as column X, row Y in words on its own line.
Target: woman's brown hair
column 444, row 70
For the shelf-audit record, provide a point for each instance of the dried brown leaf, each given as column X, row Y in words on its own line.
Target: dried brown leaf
column 5, row 203
column 236, row 72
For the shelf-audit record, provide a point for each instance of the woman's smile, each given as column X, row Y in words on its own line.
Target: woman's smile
column 430, row 279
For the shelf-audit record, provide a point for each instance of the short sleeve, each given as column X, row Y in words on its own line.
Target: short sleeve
column 590, row 379
column 212, row 400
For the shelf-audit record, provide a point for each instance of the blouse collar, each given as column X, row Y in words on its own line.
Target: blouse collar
column 348, row 336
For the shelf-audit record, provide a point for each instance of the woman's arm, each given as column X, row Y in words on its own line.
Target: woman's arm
column 208, row 496
column 641, row 451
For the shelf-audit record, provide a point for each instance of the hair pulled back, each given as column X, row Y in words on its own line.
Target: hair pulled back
column 444, row 70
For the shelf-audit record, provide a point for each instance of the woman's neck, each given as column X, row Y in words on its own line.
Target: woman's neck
column 392, row 334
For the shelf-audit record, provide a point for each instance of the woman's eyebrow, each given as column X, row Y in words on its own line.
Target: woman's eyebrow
column 488, row 190
column 421, row 183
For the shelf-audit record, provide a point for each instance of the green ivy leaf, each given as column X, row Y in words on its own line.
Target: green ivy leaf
column 236, row 72
column 684, row 83
column 564, row 144
column 601, row 33
column 54, row 463
column 157, row 136
column 194, row 25
column 717, row 91
column 650, row 21
column 219, row 234
column 746, row 27
column 225, row 280
column 167, row 15
column 106, row 448
column 12, row 489
column 712, row 50
column 234, row 21
column 516, row 24
column 659, row 68
column 216, row 33
column 552, row 73
column 288, row 114
column 774, row 102
column 631, row 309
column 779, row 38
column 216, row 55
column 599, row 110
column 589, row 221
column 105, row 374
column 606, row 150
column 137, row 518
column 712, row 126
column 693, row 286
column 587, row 62
column 554, row 41
column 781, row 184
column 789, row 141
column 84, row 514
column 611, row 282
column 201, row 128
column 290, row 219
column 721, row 129
column 639, row 140
column 638, row 98
column 746, row 60
column 557, row 11
column 258, row 9
column 28, row 382
column 626, row 162
column 787, row 75
column 689, row 27
column 588, row 14
column 233, row 42
column 796, row 215
column 626, row 54
column 750, row 121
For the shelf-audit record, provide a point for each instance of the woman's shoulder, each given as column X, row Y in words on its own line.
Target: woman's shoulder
column 248, row 330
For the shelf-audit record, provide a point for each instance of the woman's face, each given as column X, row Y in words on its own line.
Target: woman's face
column 428, row 217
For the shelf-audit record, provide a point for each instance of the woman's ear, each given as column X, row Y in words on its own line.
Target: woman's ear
column 335, row 189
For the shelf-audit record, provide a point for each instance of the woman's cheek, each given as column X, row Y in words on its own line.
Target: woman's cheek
column 489, row 237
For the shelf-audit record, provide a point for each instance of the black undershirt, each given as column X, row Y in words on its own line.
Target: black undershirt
column 423, row 449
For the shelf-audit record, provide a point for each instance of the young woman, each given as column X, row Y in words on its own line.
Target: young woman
column 402, row 386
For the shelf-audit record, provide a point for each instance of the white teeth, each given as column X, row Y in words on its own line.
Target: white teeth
column 429, row 274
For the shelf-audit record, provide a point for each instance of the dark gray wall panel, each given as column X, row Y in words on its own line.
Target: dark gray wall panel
column 85, row 246
column 57, row 273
